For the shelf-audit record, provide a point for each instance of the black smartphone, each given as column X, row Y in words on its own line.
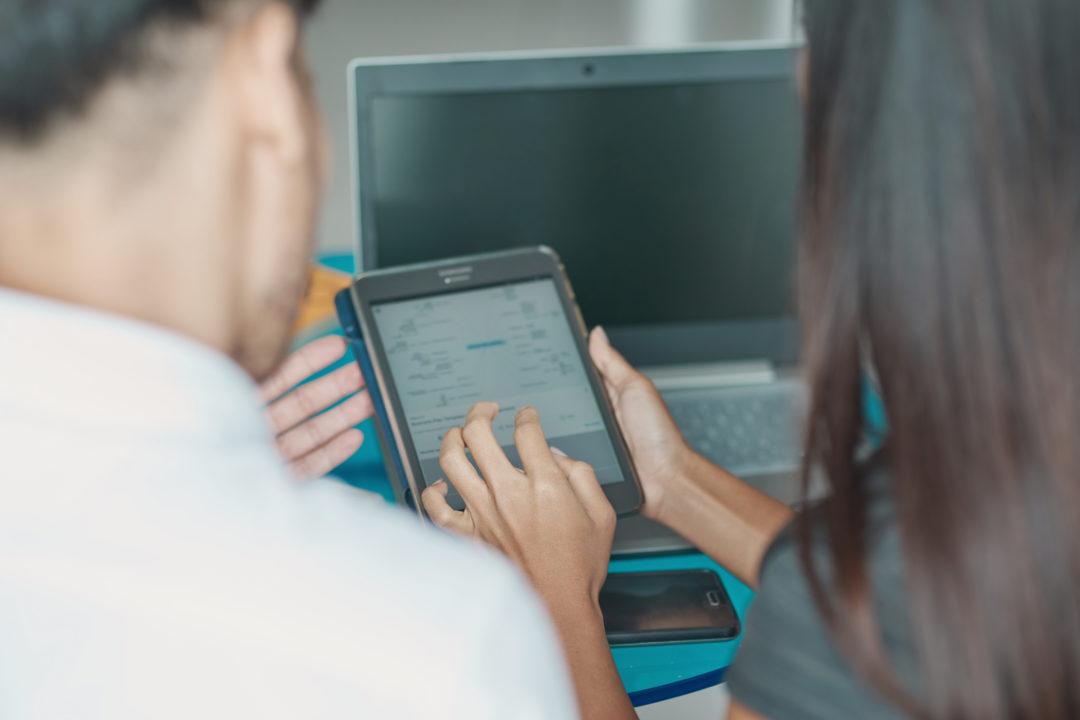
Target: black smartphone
column 667, row 607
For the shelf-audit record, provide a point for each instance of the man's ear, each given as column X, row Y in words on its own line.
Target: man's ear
column 262, row 56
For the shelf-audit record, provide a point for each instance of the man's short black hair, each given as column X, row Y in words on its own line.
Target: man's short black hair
column 56, row 54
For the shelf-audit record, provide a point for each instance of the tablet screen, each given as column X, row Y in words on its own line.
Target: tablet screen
column 511, row 344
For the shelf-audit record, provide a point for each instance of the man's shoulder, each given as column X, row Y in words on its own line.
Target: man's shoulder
column 352, row 524
column 366, row 589
column 379, row 576
column 225, row 566
column 388, row 555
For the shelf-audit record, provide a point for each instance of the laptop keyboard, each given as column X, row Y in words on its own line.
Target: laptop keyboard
column 748, row 430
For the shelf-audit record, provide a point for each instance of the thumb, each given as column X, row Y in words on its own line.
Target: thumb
column 440, row 512
column 613, row 366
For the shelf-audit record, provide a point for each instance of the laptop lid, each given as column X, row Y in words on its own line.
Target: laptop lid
column 666, row 180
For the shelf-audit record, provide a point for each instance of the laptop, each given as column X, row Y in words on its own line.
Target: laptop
column 666, row 181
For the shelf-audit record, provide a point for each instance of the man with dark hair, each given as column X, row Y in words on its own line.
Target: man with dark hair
column 161, row 164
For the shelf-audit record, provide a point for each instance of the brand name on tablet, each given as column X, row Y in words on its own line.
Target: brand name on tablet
column 455, row 275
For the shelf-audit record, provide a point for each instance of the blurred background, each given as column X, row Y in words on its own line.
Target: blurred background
column 345, row 29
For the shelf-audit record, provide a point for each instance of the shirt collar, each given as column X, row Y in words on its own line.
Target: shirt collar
column 73, row 366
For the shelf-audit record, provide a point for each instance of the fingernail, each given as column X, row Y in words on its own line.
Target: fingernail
column 438, row 483
column 601, row 333
column 559, row 452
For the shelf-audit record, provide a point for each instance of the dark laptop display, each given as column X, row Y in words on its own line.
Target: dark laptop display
column 665, row 181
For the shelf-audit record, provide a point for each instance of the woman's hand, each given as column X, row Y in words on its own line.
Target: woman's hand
column 552, row 518
column 728, row 520
column 314, row 442
column 657, row 445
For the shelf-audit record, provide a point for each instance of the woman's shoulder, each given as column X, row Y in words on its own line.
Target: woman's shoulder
column 788, row 665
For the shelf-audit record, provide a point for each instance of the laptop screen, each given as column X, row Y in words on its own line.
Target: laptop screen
column 665, row 181
column 667, row 203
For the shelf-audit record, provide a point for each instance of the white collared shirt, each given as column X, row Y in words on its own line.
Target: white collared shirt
column 157, row 561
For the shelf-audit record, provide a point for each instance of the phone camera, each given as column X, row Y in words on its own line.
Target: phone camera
column 588, row 70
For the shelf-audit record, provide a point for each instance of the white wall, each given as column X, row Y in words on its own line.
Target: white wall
column 344, row 29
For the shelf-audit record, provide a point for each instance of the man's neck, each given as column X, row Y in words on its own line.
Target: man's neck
column 147, row 256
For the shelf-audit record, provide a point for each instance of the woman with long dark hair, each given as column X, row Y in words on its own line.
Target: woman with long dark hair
column 940, row 253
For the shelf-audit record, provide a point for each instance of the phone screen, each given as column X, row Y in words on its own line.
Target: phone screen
column 511, row 344
column 674, row 606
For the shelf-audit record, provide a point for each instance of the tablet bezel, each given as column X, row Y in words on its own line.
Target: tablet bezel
column 471, row 273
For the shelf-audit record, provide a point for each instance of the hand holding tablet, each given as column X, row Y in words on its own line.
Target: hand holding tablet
column 500, row 328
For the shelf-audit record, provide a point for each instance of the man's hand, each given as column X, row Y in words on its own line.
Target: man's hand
column 552, row 518
column 314, row 442
column 657, row 445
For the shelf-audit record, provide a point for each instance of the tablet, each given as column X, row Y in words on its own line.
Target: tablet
column 502, row 327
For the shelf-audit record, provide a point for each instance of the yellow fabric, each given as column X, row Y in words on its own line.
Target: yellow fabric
column 318, row 305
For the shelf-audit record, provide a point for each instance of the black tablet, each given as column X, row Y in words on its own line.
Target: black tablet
column 502, row 327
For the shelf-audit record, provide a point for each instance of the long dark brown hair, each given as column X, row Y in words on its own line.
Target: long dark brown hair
column 941, row 239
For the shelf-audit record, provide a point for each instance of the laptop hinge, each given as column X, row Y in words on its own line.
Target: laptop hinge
column 704, row 375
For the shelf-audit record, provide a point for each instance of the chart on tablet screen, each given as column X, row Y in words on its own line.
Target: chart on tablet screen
column 509, row 344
